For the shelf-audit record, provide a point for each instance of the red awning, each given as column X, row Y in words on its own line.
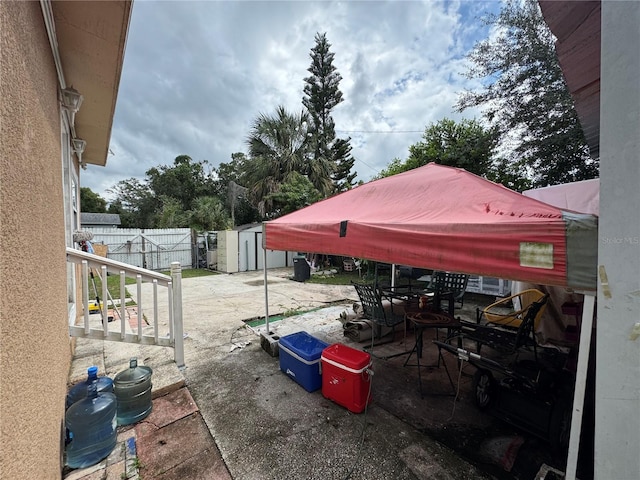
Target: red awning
column 446, row 218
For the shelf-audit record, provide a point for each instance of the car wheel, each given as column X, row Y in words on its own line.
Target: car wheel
column 484, row 388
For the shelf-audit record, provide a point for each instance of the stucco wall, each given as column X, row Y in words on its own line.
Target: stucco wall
column 617, row 434
column 34, row 351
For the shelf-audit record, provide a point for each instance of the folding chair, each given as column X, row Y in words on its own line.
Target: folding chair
column 503, row 338
column 374, row 310
column 498, row 312
column 448, row 286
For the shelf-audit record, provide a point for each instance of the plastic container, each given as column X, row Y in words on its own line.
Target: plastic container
column 301, row 269
column 300, row 359
column 91, row 423
column 133, row 392
column 345, row 376
column 79, row 390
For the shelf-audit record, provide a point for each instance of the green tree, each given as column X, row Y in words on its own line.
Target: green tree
column 167, row 197
column 231, row 181
column 209, row 214
column 465, row 144
column 525, row 96
column 127, row 218
column 91, row 202
column 343, row 177
column 185, row 180
column 397, row 165
column 172, row 215
column 136, row 204
column 278, row 145
column 295, row 193
column 321, row 95
column 510, row 174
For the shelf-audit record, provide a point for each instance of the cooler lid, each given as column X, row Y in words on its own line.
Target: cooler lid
column 304, row 345
column 347, row 356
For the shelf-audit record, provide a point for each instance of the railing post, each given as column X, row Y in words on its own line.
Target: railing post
column 176, row 277
column 85, row 295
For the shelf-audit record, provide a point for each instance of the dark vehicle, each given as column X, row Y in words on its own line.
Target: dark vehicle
column 533, row 395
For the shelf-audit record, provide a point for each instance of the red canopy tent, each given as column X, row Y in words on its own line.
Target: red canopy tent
column 446, row 218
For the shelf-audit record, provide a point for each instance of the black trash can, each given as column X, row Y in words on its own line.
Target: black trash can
column 301, row 269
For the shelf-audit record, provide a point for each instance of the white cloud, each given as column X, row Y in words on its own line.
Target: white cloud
column 197, row 74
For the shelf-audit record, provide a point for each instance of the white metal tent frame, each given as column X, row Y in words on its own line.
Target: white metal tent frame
column 581, row 372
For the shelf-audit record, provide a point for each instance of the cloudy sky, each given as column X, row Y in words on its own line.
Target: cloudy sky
column 197, row 74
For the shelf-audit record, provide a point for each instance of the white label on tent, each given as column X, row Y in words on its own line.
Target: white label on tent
column 537, row 255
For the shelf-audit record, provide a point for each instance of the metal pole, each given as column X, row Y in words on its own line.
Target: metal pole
column 581, row 381
column 176, row 276
column 266, row 289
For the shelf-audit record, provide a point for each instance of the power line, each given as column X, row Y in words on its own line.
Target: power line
column 379, row 131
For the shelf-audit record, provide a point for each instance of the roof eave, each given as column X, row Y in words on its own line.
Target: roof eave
column 91, row 38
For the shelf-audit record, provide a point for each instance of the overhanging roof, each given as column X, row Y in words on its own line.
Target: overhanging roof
column 576, row 26
column 91, row 37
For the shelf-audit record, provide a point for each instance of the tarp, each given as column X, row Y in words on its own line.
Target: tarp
column 446, row 218
column 583, row 196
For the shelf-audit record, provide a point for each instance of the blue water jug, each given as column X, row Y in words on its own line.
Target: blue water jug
column 92, row 428
column 79, row 391
column 132, row 388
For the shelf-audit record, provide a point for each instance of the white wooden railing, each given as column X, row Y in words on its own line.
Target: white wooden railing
column 166, row 311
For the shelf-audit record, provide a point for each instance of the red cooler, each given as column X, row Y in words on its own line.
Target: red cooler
column 345, row 379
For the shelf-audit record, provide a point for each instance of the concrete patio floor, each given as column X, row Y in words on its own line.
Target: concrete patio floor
column 232, row 414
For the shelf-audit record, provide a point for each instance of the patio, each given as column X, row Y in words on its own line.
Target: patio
column 267, row 426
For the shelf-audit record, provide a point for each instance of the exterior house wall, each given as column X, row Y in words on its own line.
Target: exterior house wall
column 35, row 348
column 617, row 434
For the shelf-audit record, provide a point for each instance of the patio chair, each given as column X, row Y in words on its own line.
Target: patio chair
column 374, row 310
column 502, row 337
column 448, row 286
column 498, row 312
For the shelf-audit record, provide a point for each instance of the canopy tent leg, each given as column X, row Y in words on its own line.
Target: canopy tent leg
column 266, row 289
column 581, row 381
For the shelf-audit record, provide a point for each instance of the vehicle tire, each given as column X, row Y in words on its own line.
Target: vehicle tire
column 484, row 388
column 560, row 424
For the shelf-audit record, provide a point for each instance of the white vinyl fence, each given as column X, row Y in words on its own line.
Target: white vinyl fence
column 153, row 249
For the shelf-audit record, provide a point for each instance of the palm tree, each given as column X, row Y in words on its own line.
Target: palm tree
column 209, row 214
column 279, row 145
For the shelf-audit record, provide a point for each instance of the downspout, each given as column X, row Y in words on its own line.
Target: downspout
column 49, row 23
column 47, row 14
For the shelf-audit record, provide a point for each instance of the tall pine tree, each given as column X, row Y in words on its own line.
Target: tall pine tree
column 321, row 95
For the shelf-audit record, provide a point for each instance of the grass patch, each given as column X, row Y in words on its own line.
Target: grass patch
column 340, row 278
column 258, row 322
column 113, row 283
column 113, row 287
column 345, row 278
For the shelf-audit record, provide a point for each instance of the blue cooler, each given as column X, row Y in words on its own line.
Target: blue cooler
column 300, row 359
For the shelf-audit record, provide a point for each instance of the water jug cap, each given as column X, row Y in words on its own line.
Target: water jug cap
column 136, row 373
column 92, row 371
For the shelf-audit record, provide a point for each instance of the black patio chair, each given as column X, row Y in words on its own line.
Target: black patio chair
column 448, row 286
column 380, row 317
column 506, row 340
